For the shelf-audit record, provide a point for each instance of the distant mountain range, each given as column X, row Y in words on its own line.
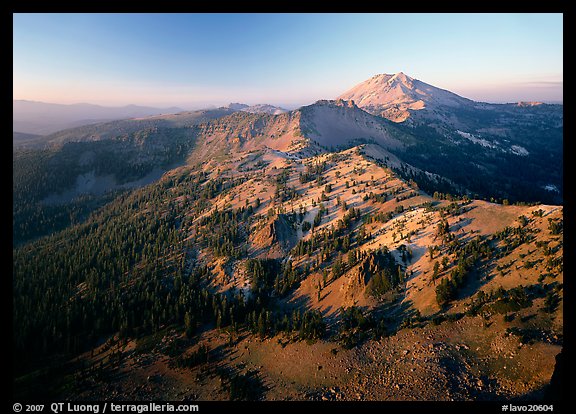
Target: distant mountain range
column 40, row 118
column 45, row 118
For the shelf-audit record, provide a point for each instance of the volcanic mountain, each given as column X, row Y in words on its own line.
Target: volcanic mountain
column 454, row 134
column 396, row 96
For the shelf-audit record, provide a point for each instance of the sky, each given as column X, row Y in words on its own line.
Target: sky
column 196, row 60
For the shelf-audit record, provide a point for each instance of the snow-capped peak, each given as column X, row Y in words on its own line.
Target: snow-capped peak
column 395, row 95
column 401, row 77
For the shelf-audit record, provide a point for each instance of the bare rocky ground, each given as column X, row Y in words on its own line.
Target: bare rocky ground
column 459, row 360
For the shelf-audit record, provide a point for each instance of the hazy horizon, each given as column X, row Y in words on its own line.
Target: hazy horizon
column 197, row 106
column 289, row 60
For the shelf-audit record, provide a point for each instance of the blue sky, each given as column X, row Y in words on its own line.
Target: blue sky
column 194, row 60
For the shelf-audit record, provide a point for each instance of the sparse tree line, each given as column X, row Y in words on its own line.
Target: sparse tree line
column 467, row 255
column 357, row 326
column 313, row 172
column 130, row 268
column 329, row 241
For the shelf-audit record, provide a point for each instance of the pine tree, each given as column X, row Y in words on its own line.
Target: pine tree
column 262, row 325
column 435, row 274
column 188, row 325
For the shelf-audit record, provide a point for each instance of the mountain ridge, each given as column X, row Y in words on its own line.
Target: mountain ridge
column 147, row 144
column 399, row 98
column 43, row 118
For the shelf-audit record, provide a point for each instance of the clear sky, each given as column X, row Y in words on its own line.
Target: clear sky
column 191, row 60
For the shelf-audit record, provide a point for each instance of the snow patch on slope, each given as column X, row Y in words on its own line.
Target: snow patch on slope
column 474, row 139
column 514, row 149
column 518, row 150
column 264, row 109
column 551, row 188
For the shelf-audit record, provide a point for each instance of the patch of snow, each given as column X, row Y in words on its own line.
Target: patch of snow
column 246, row 291
column 518, row 150
column 264, row 109
column 551, row 188
column 475, row 140
column 283, row 154
column 465, row 134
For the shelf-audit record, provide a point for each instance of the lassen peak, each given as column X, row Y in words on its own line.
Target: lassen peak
column 394, row 96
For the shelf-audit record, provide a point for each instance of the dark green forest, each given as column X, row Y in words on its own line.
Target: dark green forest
column 39, row 173
column 130, row 268
column 490, row 174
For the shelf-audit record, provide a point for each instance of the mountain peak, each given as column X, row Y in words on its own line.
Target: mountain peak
column 256, row 109
column 387, row 77
column 236, row 106
column 401, row 76
column 394, row 96
column 265, row 109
